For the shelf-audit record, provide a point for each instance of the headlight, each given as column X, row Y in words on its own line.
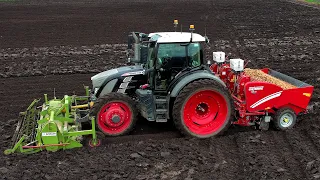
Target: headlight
column 96, row 90
column 93, row 96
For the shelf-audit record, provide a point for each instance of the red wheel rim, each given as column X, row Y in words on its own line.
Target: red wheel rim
column 205, row 112
column 114, row 118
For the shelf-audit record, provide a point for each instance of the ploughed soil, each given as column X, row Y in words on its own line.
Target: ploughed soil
column 56, row 45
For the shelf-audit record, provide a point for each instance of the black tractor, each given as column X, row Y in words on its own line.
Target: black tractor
column 170, row 80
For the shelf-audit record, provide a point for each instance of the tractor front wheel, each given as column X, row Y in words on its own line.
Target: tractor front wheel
column 284, row 119
column 203, row 109
column 115, row 114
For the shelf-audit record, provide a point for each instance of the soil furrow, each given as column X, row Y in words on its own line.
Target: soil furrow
column 288, row 155
column 302, row 146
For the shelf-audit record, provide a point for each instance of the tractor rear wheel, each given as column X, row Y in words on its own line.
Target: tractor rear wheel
column 284, row 119
column 203, row 109
column 115, row 113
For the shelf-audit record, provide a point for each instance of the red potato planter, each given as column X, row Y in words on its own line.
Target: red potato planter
column 274, row 96
column 258, row 101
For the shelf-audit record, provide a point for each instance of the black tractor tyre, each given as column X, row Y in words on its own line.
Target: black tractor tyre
column 281, row 116
column 190, row 90
column 117, row 98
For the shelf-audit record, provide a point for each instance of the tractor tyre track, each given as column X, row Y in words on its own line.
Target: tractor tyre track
column 288, row 155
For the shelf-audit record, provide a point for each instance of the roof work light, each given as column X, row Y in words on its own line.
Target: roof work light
column 191, row 27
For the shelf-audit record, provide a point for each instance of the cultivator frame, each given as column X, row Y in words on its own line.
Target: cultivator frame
column 54, row 125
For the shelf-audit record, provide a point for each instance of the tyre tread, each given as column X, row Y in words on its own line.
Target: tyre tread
column 112, row 97
column 185, row 92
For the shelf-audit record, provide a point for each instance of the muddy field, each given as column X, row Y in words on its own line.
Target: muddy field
column 57, row 44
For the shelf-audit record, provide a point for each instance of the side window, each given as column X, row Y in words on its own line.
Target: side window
column 164, row 51
column 194, row 54
column 175, row 53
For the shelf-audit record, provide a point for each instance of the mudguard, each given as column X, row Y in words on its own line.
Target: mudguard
column 204, row 74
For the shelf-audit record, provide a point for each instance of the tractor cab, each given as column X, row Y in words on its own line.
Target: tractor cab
column 168, row 60
column 171, row 52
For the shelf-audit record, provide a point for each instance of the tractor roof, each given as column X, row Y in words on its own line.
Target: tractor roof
column 172, row 37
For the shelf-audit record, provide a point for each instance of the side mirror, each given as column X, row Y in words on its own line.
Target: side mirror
column 130, row 41
column 140, row 53
column 144, row 53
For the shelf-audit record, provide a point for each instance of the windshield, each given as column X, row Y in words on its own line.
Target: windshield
column 176, row 53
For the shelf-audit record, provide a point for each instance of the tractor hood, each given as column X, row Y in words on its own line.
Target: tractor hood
column 99, row 79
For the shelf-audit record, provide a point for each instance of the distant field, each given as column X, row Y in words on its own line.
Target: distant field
column 313, row 1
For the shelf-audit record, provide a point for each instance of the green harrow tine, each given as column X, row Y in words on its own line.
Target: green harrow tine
column 26, row 127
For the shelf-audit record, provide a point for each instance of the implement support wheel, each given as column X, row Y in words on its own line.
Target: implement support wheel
column 115, row 114
column 284, row 119
column 203, row 109
column 94, row 144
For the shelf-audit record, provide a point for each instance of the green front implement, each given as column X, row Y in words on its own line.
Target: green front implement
column 55, row 125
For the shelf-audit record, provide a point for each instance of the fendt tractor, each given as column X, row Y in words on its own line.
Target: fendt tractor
column 170, row 80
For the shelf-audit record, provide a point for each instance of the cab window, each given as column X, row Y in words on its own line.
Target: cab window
column 194, row 54
column 176, row 53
